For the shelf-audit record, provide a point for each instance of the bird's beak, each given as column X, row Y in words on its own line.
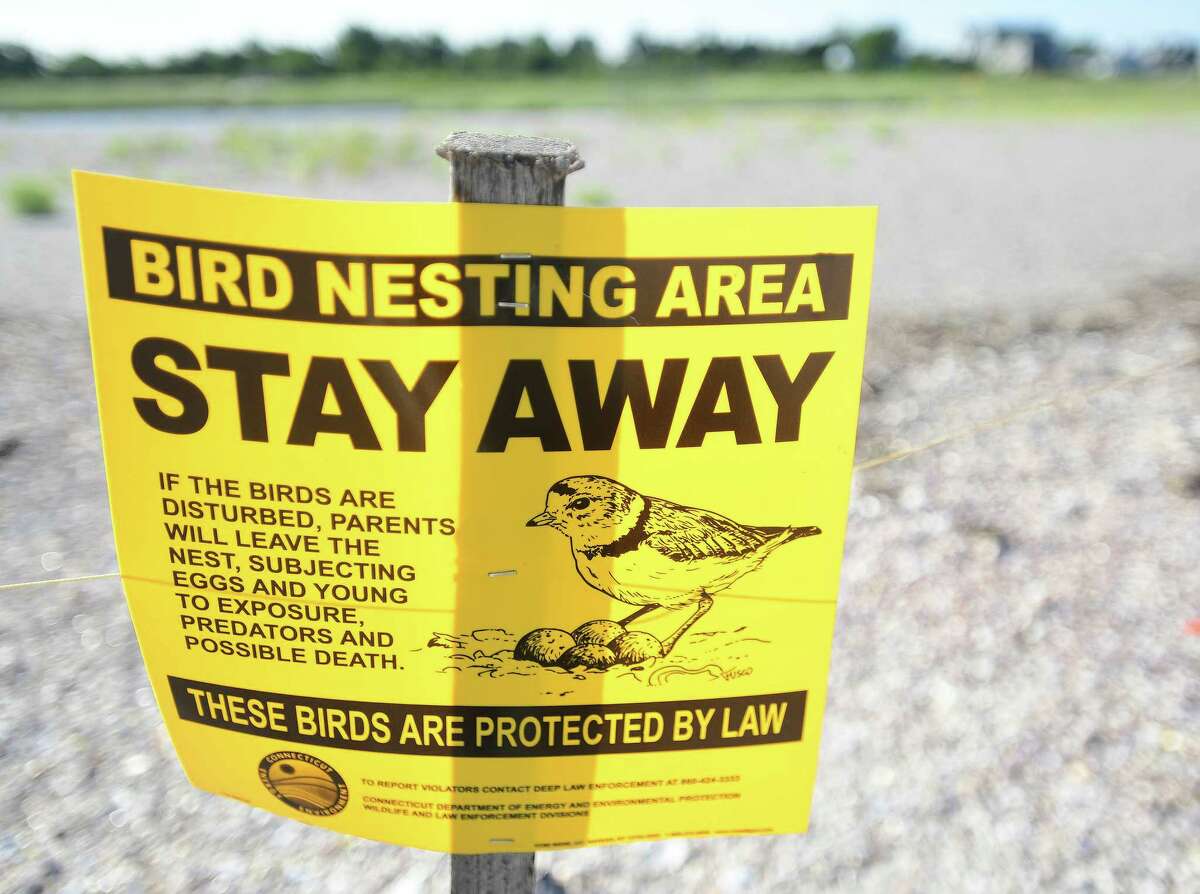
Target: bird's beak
column 542, row 518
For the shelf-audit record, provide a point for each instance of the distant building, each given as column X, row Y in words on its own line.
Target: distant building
column 838, row 57
column 1104, row 64
column 1163, row 59
column 1014, row 50
column 1177, row 57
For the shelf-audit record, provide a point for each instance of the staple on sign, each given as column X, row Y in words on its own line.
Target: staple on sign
column 507, row 572
column 512, row 304
column 515, row 256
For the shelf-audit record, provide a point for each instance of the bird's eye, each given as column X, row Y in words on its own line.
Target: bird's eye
column 580, row 503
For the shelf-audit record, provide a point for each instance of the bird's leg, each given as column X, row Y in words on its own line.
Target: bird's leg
column 705, row 604
column 645, row 609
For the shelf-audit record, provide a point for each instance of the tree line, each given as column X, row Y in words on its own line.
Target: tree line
column 360, row 50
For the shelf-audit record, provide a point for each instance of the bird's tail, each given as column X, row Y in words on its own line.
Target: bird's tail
column 806, row 531
column 793, row 533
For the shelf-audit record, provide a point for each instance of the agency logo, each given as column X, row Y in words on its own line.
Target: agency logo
column 304, row 782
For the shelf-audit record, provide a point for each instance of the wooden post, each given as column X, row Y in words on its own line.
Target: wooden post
column 506, row 170
column 491, row 874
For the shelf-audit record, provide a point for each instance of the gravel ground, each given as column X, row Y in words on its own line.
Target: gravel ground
column 1015, row 694
column 973, row 214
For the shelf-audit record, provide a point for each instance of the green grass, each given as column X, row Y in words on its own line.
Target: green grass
column 351, row 151
column 884, row 131
column 253, row 148
column 145, row 150
column 840, row 157
column 408, row 149
column 29, row 196
column 931, row 93
column 595, row 197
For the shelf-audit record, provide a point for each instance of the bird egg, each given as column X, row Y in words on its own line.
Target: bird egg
column 637, row 646
column 545, row 645
column 598, row 633
column 591, row 656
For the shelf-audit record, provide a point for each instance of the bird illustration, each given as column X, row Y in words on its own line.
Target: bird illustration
column 651, row 552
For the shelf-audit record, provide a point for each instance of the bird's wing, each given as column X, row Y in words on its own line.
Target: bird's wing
column 685, row 533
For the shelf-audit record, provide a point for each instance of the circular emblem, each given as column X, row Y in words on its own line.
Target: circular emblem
column 304, row 782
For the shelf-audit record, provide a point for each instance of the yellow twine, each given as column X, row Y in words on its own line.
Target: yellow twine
column 874, row 463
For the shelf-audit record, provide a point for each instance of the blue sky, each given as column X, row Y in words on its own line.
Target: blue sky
column 154, row 28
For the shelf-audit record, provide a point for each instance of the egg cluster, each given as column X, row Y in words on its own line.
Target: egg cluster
column 595, row 645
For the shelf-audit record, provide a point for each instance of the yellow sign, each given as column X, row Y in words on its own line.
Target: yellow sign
column 481, row 528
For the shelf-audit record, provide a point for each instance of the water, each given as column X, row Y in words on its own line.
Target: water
column 203, row 118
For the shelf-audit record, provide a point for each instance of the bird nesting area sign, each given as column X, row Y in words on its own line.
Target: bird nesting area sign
column 482, row 528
